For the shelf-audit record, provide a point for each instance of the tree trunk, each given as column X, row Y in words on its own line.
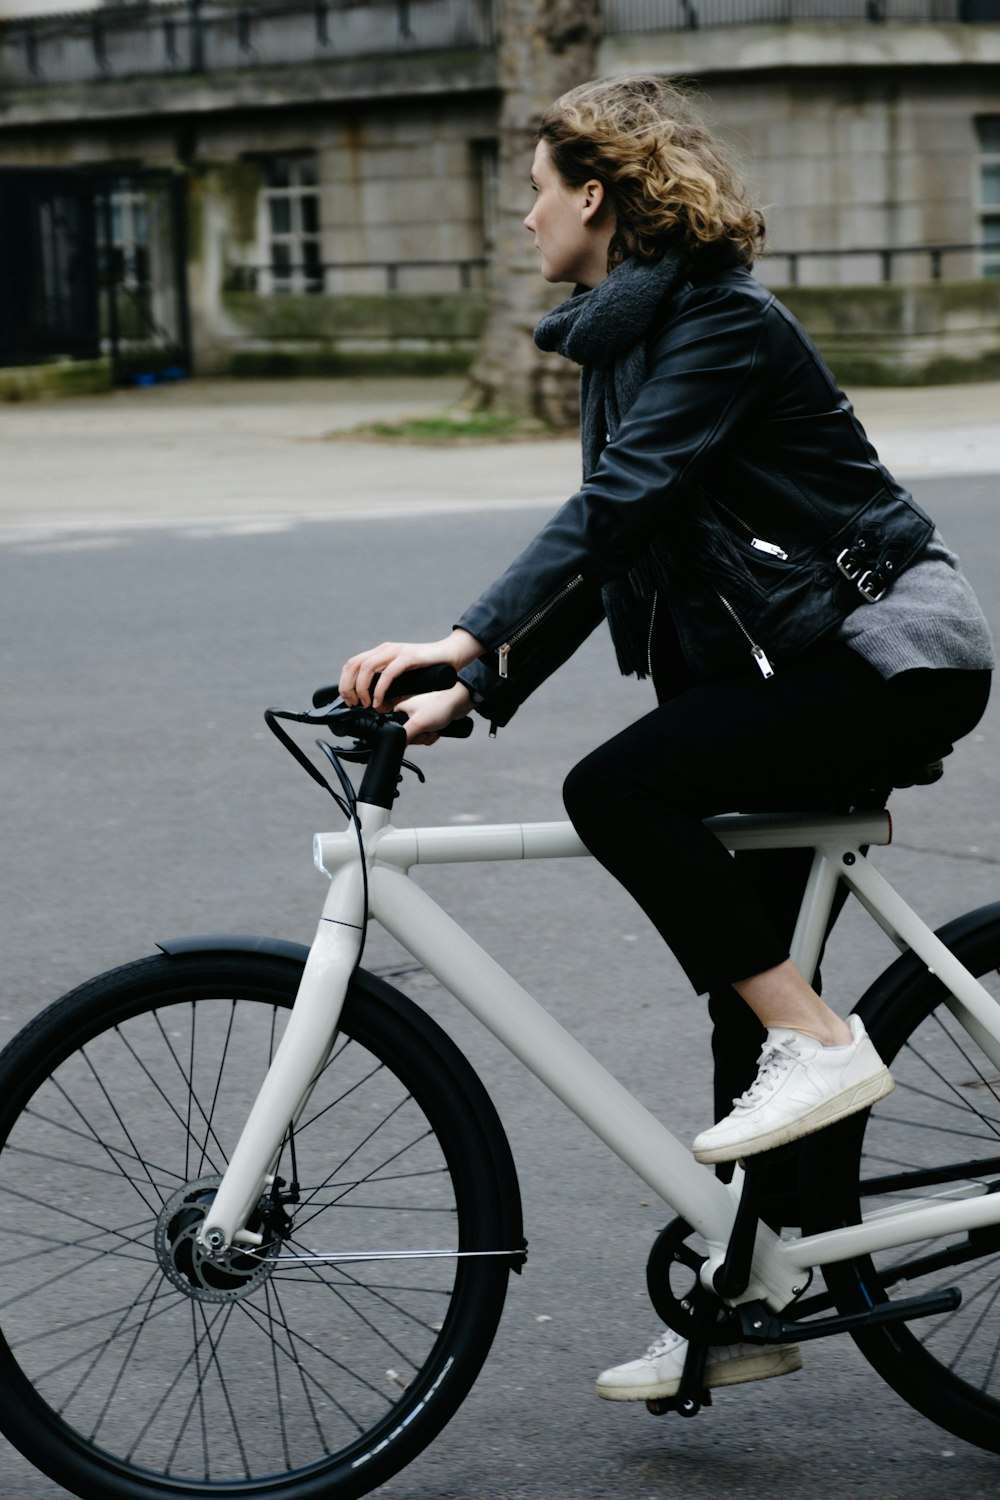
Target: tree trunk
column 544, row 48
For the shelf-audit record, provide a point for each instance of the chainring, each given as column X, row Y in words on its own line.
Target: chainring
column 673, row 1279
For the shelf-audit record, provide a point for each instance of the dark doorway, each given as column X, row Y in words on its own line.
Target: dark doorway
column 48, row 267
column 93, row 263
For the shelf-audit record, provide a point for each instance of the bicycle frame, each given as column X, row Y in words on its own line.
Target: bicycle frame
column 436, row 941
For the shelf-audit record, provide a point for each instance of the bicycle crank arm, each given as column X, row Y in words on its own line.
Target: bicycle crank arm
column 760, row 1326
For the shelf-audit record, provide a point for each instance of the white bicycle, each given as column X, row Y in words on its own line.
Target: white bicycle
column 258, row 1214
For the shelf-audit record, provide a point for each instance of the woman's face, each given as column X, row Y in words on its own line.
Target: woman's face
column 572, row 226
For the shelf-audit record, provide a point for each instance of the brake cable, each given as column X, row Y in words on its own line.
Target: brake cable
column 271, row 717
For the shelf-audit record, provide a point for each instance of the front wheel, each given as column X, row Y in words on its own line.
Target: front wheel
column 132, row 1367
column 936, row 1135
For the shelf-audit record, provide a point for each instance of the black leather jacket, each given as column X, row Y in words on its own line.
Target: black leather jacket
column 740, row 482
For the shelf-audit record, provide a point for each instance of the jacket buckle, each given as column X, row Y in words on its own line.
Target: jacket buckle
column 869, row 582
column 872, row 586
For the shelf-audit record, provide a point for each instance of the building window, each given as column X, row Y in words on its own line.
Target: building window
column 134, row 239
column 988, row 131
column 290, row 227
column 130, row 237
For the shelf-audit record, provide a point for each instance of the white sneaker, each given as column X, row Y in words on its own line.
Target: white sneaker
column 657, row 1374
column 800, row 1087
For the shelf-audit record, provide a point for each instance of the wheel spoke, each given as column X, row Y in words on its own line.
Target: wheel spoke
column 44, row 1376
column 190, row 1098
column 147, row 1298
column 122, row 1126
column 364, row 1181
column 348, row 1283
column 120, row 1158
column 299, row 1344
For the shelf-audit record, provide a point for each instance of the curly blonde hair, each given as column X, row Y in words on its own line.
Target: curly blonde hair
column 670, row 181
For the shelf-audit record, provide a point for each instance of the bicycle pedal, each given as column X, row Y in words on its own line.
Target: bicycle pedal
column 686, row 1407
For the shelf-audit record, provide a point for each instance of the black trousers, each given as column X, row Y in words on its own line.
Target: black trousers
column 816, row 736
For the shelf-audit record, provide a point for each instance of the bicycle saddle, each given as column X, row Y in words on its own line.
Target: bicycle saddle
column 921, row 773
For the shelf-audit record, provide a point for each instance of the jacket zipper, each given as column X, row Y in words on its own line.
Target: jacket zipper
column 757, row 652
column 503, row 652
column 758, row 543
column 649, row 639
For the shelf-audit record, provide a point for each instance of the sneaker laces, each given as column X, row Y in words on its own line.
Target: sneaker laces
column 773, row 1060
column 664, row 1344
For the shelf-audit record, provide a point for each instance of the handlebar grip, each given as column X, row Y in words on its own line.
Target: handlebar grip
column 458, row 729
column 421, row 680
column 408, row 685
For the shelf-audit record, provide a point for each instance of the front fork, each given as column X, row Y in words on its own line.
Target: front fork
column 312, row 1026
column 298, row 1062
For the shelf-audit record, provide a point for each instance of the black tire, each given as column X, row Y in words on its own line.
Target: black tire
column 129, row 1372
column 938, row 1131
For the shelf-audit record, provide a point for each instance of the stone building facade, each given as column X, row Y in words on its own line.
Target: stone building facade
column 338, row 156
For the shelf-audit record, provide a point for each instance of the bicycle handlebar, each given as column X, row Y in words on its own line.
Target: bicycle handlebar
column 411, row 684
column 380, row 733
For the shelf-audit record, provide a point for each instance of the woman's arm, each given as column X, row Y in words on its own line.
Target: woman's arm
column 393, row 657
column 708, row 372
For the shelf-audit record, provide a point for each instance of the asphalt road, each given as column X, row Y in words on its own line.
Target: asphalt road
column 143, row 797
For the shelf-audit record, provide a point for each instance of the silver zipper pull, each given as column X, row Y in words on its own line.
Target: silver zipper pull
column 766, row 670
column 502, row 655
column 757, row 652
column 771, row 548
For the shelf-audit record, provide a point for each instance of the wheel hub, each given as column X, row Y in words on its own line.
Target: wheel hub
column 190, row 1266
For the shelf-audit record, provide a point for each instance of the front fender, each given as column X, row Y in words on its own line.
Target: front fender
column 233, row 942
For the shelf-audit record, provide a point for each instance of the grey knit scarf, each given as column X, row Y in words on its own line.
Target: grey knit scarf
column 606, row 329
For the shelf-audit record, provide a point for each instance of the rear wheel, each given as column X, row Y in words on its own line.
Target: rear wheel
column 937, row 1134
column 132, row 1366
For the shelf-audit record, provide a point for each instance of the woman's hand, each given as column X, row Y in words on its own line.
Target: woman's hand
column 428, row 713
column 394, row 657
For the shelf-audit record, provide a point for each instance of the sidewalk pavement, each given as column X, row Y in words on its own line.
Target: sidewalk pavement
column 255, row 455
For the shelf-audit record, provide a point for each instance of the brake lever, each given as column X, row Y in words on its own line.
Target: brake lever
column 358, row 753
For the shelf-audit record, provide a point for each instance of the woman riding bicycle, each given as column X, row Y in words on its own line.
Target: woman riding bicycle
column 807, row 632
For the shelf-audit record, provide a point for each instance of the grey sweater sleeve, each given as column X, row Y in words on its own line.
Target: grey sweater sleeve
column 929, row 618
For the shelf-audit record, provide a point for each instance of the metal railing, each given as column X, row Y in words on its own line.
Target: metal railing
column 178, row 37
column 336, row 276
column 470, row 274
column 884, row 259
column 622, row 16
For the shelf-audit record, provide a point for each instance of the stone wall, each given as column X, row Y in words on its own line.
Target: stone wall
column 851, row 135
column 435, row 333
column 880, row 335
column 900, row 335
column 851, row 161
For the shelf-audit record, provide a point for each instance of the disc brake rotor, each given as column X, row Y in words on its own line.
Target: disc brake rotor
column 236, row 1273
